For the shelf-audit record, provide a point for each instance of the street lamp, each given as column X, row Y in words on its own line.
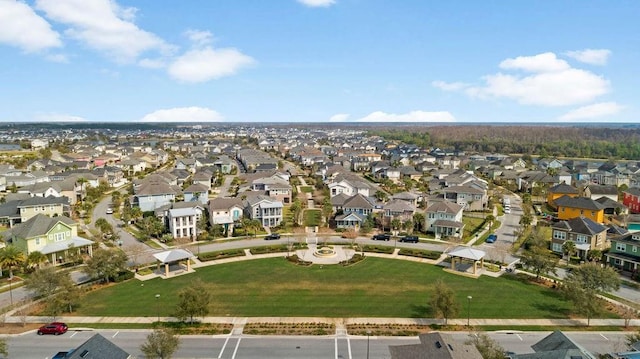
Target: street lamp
column 158, row 306
column 368, row 334
column 468, row 309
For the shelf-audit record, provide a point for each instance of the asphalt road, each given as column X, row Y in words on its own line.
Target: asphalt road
column 268, row 347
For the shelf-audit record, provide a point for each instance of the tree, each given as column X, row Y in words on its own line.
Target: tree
column 4, row 348
column 160, row 344
column 106, row 264
column 46, row 281
column 193, row 301
column 418, row 221
column 540, row 260
column 395, row 224
column 327, row 210
column 381, row 196
column 488, row 348
column 583, row 284
column 152, row 226
column 443, row 301
column 569, row 247
column 105, row 228
column 296, row 211
column 35, row 259
column 10, row 257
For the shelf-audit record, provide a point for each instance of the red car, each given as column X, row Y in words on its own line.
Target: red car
column 55, row 328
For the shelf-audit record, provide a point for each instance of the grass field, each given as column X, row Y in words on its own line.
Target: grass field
column 375, row 287
column 312, row 217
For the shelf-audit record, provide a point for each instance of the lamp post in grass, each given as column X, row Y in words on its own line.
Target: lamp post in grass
column 158, row 307
column 468, row 309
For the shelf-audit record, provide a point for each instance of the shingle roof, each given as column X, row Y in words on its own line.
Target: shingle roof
column 36, row 226
column 98, row 347
column 581, row 225
column 579, row 202
column 564, row 188
column 435, row 346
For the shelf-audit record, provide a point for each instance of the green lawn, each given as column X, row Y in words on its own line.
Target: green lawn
column 306, row 189
column 312, row 217
column 375, row 287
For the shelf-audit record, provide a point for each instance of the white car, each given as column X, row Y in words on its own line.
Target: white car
column 109, row 210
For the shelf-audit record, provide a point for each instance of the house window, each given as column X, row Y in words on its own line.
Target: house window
column 634, row 248
column 621, row 247
column 58, row 237
column 38, row 241
column 559, row 235
column 581, row 238
column 556, row 247
column 593, row 213
column 617, row 261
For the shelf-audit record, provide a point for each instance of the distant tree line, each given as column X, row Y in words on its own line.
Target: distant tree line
column 616, row 142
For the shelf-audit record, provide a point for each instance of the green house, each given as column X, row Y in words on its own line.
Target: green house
column 625, row 252
column 55, row 237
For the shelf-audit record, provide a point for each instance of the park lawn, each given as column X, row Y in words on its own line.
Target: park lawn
column 376, row 287
column 312, row 217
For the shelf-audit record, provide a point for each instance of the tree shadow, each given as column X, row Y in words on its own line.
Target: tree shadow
column 420, row 311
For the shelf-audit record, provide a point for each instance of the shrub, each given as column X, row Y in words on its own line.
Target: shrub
column 209, row 256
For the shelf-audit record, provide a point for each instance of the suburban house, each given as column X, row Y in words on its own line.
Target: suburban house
column 96, row 347
column 55, row 237
column 154, row 192
column 275, row 187
column 559, row 190
column 435, row 345
column 556, row 345
column 398, row 209
column 225, row 212
column 196, row 192
column 265, row 209
column 631, row 199
column 444, row 219
column 470, row 197
column 50, row 206
column 350, row 220
column 625, row 252
column 349, row 185
column 183, row 223
column 358, row 204
column 584, row 232
column 569, row 207
column 595, row 191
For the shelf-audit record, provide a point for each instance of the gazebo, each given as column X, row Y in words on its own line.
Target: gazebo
column 173, row 256
column 465, row 253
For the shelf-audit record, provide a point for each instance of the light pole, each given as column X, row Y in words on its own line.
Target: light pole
column 158, row 306
column 368, row 334
column 468, row 309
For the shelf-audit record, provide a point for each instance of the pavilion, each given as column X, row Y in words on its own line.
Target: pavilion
column 174, row 256
column 466, row 253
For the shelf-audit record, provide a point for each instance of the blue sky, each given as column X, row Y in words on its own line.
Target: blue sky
column 319, row 60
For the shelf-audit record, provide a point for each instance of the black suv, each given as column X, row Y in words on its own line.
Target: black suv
column 409, row 239
column 381, row 237
column 272, row 236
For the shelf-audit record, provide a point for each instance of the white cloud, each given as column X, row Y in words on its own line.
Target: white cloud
column 317, row 3
column 413, row 116
column 183, row 114
column 547, row 62
column 449, row 86
column 104, row 26
column 199, row 38
column 546, row 81
column 152, row 63
column 339, row 117
column 592, row 111
column 23, row 28
column 58, row 117
column 590, row 56
column 61, row 58
column 206, row 64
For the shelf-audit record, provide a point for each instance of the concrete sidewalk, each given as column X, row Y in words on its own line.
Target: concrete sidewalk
column 340, row 323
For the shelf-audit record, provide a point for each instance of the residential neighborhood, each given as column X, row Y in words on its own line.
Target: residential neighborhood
column 162, row 195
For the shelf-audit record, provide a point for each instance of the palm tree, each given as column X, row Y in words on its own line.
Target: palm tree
column 569, row 247
column 11, row 256
column 36, row 258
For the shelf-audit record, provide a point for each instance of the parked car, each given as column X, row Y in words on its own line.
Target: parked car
column 272, row 236
column 55, row 328
column 492, row 238
column 109, row 210
column 409, row 239
column 381, row 237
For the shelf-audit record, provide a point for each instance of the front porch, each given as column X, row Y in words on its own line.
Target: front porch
column 62, row 252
